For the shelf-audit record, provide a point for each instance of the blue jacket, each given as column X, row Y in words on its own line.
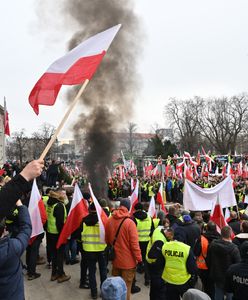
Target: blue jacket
column 11, row 250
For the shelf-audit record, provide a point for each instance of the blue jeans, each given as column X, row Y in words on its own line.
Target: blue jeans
column 70, row 250
column 219, row 294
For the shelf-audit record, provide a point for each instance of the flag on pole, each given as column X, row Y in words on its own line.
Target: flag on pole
column 73, row 68
column 78, row 211
column 160, row 198
column 6, row 120
column 217, row 216
column 152, row 208
column 227, row 215
column 134, row 197
column 37, row 211
column 101, row 215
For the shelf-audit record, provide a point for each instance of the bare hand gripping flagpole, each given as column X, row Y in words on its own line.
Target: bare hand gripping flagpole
column 72, row 105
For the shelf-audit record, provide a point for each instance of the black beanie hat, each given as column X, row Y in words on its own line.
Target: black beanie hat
column 125, row 202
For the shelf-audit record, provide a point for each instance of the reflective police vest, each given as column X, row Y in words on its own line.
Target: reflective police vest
column 156, row 236
column 150, row 191
column 90, row 237
column 51, row 220
column 201, row 259
column 45, row 199
column 176, row 255
column 144, row 229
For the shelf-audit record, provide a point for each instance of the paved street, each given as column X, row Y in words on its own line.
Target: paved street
column 44, row 289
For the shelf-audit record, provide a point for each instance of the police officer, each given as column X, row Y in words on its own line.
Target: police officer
column 179, row 267
column 156, row 261
column 145, row 227
column 94, row 249
column 237, row 276
column 56, row 217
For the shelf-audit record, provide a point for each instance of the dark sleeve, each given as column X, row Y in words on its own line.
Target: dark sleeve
column 156, row 250
column 25, row 229
column 59, row 214
column 77, row 233
column 236, row 255
column 11, row 192
column 191, row 263
column 152, row 228
column 228, row 281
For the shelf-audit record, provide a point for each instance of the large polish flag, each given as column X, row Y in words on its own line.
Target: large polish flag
column 78, row 211
column 160, row 198
column 73, row 68
column 101, row 215
column 37, row 211
column 134, row 198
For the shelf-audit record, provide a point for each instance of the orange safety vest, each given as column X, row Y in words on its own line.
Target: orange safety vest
column 201, row 259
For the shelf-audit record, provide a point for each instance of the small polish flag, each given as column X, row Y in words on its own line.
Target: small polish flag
column 227, row 215
column 160, row 199
column 73, row 68
column 102, row 217
column 78, row 210
column 37, row 211
column 152, row 208
column 134, row 198
column 217, row 216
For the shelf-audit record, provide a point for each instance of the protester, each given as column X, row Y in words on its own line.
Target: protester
column 56, row 217
column 194, row 294
column 11, row 250
column 94, row 249
column 14, row 189
column 243, row 236
column 127, row 250
column 221, row 254
column 237, row 276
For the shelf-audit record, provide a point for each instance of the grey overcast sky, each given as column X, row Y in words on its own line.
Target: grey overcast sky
column 192, row 47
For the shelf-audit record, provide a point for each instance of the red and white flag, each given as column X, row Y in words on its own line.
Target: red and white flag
column 134, row 198
column 217, row 216
column 152, row 208
column 6, row 120
column 187, row 155
column 132, row 184
column 78, row 210
column 73, row 68
column 160, row 198
column 37, row 211
column 101, row 215
column 227, row 215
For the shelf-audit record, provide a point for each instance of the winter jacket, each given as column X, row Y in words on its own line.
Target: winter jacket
column 127, row 250
column 11, row 192
column 11, row 249
column 221, row 254
column 58, row 213
column 237, row 280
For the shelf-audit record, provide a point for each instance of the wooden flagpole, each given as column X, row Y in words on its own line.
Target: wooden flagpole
column 72, row 105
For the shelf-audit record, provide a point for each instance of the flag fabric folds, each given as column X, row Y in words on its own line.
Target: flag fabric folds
column 77, row 212
column 217, row 216
column 6, row 123
column 152, row 208
column 36, row 211
column 160, row 198
column 196, row 198
column 73, row 68
column 101, row 215
column 134, row 198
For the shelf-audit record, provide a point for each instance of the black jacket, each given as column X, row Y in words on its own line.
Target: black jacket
column 240, row 238
column 11, row 192
column 11, row 250
column 221, row 254
column 58, row 213
column 237, row 280
column 142, row 215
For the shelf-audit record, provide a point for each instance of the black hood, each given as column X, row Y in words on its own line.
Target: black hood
column 140, row 214
column 91, row 219
column 210, row 236
column 51, row 201
column 223, row 247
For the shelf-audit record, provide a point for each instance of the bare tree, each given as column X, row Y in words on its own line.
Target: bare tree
column 16, row 146
column 183, row 118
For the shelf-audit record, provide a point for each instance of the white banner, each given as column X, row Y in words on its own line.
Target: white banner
column 196, row 198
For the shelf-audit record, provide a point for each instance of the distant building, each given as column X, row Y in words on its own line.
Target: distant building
column 165, row 134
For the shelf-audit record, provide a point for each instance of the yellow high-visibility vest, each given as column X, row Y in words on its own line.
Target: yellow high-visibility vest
column 91, row 239
column 144, row 229
column 156, row 236
column 51, row 220
column 176, row 255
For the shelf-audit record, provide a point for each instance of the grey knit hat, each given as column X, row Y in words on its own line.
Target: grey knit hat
column 125, row 202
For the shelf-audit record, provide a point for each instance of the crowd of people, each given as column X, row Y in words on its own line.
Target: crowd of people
column 181, row 253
